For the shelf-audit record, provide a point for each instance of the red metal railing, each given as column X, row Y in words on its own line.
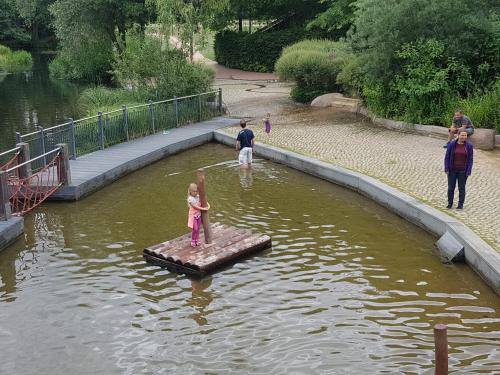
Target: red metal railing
column 28, row 192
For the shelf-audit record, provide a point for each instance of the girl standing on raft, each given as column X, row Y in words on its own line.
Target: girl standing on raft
column 194, row 214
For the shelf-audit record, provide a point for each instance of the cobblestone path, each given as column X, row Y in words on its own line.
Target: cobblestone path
column 412, row 163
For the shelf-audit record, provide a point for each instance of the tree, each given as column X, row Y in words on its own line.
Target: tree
column 337, row 19
column 12, row 28
column 87, row 31
column 189, row 16
column 36, row 16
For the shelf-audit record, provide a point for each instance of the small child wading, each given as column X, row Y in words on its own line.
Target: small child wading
column 267, row 124
column 194, row 215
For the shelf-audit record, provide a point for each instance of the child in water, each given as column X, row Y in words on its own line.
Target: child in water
column 194, row 215
column 267, row 124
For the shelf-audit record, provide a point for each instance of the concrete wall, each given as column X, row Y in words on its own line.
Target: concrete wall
column 10, row 230
column 479, row 255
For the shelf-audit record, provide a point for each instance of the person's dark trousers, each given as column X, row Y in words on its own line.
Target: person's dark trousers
column 453, row 177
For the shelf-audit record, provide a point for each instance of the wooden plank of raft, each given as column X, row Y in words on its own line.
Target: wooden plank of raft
column 228, row 244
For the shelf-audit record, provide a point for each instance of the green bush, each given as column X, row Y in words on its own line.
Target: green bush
column 314, row 66
column 255, row 52
column 14, row 61
column 483, row 109
column 104, row 99
column 154, row 71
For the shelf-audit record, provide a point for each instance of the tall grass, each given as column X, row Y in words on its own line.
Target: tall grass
column 14, row 61
column 104, row 99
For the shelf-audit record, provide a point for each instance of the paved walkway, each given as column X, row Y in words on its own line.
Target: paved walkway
column 409, row 162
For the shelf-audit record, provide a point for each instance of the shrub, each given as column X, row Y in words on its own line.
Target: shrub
column 14, row 61
column 255, row 52
column 154, row 71
column 314, row 66
column 104, row 99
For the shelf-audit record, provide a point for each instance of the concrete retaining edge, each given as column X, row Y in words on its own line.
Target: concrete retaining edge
column 429, row 130
column 483, row 259
column 10, row 230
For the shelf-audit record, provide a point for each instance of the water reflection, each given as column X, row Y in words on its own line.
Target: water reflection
column 200, row 299
column 246, row 177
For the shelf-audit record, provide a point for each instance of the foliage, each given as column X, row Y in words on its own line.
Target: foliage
column 156, row 71
column 482, row 108
column 103, row 99
column 415, row 59
column 314, row 66
column 87, row 31
column 13, row 31
column 255, row 52
column 336, row 19
column 189, row 16
column 14, row 61
column 37, row 17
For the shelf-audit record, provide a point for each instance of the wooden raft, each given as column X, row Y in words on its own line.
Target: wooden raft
column 228, row 244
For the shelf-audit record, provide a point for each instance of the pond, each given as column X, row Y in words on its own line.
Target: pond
column 347, row 287
column 33, row 99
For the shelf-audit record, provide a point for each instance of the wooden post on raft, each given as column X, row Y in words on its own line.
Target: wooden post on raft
column 205, row 220
column 441, row 349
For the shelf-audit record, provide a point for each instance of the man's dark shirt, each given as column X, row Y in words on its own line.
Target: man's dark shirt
column 245, row 137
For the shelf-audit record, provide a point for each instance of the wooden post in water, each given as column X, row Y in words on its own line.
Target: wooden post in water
column 200, row 174
column 441, row 349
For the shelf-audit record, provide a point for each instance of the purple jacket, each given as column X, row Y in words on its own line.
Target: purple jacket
column 450, row 155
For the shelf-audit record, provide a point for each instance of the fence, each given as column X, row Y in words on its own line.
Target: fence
column 106, row 129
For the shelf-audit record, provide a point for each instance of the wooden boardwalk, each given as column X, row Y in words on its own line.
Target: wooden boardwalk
column 91, row 172
column 229, row 244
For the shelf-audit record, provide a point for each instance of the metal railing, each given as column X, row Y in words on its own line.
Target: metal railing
column 103, row 130
column 9, row 158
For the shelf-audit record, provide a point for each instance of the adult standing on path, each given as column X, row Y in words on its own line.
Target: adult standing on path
column 458, row 166
column 244, row 144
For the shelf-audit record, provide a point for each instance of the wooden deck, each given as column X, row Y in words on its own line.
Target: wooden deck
column 229, row 244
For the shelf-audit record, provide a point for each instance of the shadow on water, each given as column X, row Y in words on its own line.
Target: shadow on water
column 33, row 99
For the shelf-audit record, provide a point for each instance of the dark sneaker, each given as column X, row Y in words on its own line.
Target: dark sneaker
column 459, row 207
column 449, row 206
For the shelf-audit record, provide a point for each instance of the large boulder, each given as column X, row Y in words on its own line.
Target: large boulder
column 483, row 139
column 337, row 100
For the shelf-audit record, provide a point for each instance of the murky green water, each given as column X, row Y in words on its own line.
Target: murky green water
column 347, row 288
column 33, row 99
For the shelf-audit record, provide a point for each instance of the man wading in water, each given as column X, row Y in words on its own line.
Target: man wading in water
column 244, row 144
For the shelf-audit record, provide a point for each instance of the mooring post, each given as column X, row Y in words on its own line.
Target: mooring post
column 64, row 170
column 152, row 115
column 176, row 111
column 24, row 156
column 101, row 130
column 5, row 212
column 441, row 349
column 73, row 139
column 18, row 137
column 205, row 220
column 220, row 100
column 125, row 120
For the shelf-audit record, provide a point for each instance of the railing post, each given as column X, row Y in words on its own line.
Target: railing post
column 73, row 139
column 440, row 349
column 151, row 115
column 42, row 143
column 125, row 120
column 199, row 108
column 176, row 110
column 18, row 137
column 220, row 100
column 101, row 130
column 64, row 171
column 5, row 211
column 24, row 156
